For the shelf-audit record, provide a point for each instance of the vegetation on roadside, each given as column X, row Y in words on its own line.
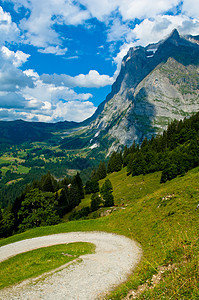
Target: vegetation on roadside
column 36, row 262
column 163, row 218
column 158, row 206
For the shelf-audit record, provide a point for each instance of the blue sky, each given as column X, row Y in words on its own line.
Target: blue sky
column 59, row 58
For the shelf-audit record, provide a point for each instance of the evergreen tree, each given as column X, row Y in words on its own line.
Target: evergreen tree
column 92, row 186
column 106, row 186
column 95, row 202
column 7, row 222
column 101, row 171
column 115, row 162
column 108, row 198
column 106, row 192
column 48, row 183
column 169, row 173
column 78, row 183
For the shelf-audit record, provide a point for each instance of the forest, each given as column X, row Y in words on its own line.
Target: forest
column 46, row 201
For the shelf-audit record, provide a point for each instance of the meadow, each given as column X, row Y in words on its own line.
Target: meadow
column 163, row 219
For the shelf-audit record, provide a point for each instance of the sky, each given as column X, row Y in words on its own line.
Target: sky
column 59, row 58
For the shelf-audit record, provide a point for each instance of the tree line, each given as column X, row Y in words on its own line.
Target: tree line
column 43, row 202
column 174, row 152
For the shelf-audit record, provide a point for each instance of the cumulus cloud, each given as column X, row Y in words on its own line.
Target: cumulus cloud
column 45, row 102
column 38, row 27
column 9, row 31
column 151, row 31
column 12, row 100
column 118, row 31
column 73, row 111
column 90, row 80
column 11, row 78
column 17, row 58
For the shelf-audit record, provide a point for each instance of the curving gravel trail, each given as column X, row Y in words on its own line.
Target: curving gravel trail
column 97, row 274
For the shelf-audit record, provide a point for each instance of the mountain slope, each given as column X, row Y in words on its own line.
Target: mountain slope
column 156, row 84
column 163, row 218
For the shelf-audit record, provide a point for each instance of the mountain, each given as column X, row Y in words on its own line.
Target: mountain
column 156, row 84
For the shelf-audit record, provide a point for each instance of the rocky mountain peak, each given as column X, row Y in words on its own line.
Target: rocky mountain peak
column 156, row 84
column 174, row 35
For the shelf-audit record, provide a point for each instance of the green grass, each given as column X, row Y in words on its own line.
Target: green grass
column 84, row 202
column 163, row 218
column 36, row 262
column 14, row 181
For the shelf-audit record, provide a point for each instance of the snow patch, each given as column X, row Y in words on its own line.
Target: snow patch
column 96, row 135
column 152, row 50
column 94, row 146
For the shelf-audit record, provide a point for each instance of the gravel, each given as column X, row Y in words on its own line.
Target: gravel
column 114, row 259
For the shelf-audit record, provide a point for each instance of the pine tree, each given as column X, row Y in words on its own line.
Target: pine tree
column 101, row 171
column 78, row 183
column 92, row 186
column 47, row 183
column 95, row 202
column 106, row 192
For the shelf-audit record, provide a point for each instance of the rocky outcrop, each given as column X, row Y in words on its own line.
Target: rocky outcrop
column 156, row 84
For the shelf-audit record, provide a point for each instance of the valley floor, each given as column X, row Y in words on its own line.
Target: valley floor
column 97, row 274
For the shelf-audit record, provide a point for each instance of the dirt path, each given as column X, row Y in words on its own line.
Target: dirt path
column 98, row 273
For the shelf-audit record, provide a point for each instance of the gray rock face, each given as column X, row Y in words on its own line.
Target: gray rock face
column 156, row 84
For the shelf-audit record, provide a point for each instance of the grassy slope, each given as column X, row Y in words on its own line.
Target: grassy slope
column 36, row 262
column 163, row 219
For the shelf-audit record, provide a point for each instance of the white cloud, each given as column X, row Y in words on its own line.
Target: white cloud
column 12, row 100
column 45, row 102
column 17, row 58
column 73, row 111
column 90, row 80
column 31, row 73
column 100, row 9
column 11, row 78
column 54, row 50
column 39, row 28
column 49, row 92
column 154, row 30
column 131, row 9
column 191, row 8
column 151, row 31
column 9, row 31
column 118, row 31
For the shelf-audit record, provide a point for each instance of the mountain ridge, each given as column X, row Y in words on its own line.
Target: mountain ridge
column 156, row 84
column 145, row 71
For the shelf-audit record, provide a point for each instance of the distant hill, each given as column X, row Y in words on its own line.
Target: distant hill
column 19, row 131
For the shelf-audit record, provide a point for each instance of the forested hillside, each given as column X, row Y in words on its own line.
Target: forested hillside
column 174, row 153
